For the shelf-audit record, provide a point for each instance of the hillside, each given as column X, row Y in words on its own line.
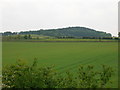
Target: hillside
column 70, row 32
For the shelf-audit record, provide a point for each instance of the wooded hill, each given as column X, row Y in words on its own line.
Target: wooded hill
column 66, row 32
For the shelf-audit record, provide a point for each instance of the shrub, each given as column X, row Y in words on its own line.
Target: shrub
column 22, row 75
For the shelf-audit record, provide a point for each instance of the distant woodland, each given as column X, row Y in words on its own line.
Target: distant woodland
column 63, row 32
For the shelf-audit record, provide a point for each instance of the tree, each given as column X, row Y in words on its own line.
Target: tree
column 119, row 34
column 25, row 37
column 29, row 36
column 7, row 33
column 18, row 36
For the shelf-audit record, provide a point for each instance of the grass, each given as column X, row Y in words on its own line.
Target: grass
column 64, row 55
column 62, row 40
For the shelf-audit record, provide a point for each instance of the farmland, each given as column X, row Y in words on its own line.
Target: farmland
column 64, row 55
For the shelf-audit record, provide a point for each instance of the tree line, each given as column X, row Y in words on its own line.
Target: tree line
column 25, row 37
column 64, row 32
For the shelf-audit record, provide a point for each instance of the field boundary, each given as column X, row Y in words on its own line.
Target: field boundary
column 60, row 41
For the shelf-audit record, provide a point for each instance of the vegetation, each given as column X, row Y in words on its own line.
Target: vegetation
column 64, row 55
column 65, row 32
column 119, row 34
column 21, row 75
column 32, row 37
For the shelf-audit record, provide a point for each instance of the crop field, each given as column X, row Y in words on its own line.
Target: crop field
column 64, row 55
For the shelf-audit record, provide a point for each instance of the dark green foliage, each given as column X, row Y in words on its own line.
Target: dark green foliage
column 70, row 32
column 21, row 75
column 25, row 37
column 29, row 36
column 7, row 33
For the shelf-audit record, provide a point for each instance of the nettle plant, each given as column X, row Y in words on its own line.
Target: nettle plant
column 22, row 75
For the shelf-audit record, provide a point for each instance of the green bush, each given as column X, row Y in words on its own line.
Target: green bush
column 22, row 75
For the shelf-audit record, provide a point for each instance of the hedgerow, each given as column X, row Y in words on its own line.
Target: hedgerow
column 22, row 75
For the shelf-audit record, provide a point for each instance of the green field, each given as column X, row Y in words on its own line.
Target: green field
column 64, row 55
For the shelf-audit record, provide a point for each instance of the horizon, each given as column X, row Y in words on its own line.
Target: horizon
column 53, row 29
column 27, row 15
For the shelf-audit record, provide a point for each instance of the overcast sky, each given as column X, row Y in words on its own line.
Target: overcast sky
column 22, row 15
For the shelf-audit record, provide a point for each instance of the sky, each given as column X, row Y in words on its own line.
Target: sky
column 24, row 15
